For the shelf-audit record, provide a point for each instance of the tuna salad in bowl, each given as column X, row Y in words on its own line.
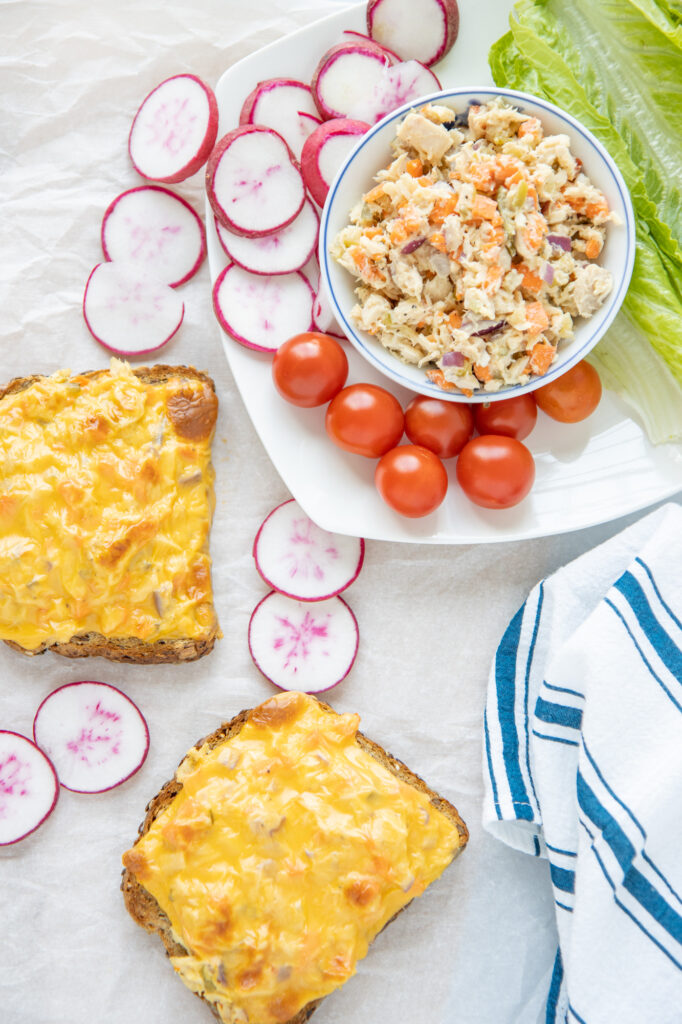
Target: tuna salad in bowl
column 477, row 244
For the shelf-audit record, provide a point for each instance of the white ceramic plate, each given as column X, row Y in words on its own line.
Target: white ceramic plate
column 587, row 473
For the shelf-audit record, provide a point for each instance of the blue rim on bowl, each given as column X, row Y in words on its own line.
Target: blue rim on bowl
column 387, row 363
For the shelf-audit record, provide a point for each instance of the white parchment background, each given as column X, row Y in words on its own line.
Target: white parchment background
column 478, row 947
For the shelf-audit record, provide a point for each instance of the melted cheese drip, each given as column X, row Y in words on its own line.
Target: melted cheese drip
column 286, row 851
column 104, row 512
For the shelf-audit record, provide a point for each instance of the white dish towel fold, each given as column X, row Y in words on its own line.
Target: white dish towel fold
column 583, row 766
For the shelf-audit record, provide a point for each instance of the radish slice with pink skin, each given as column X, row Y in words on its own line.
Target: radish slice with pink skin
column 157, row 230
column 174, row 130
column 129, row 311
column 28, row 787
column 280, row 253
column 303, row 646
column 399, row 84
column 93, row 734
column 423, row 30
column 302, row 561
column 345, row 74
column 253, row 182
column 324, row 152
column 354, row 37
column 284, row 105
column 323, row 319
column 262, row 312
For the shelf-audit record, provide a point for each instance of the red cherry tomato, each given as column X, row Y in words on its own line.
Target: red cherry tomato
column 442, row 427
column 365, row 419
column 572, row 396
column 495, row 472
column 309, row 369
column 510, row 417
column 412, row 480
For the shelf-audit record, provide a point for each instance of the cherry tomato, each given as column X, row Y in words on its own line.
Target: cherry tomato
column 510, row 417
column 572, row 396
column 365, row 419
column 442, row 427
column 309, row 369
column 412, row 480
column 495, row 472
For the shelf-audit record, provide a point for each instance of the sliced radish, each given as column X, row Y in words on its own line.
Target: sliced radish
column 253, row 182
column 324, row 152
column 280, row 253
column 28, row 787
column 345, row 74
column 302, row 561
column 423, row 30
column 323, row 318
column 129, row 311
column 354, row 37
column 399, row 84
column 95, row 736
column 174, row 130
column 303, row 646
column 156, row 230
column 284, row 105
column 262, row 312
column 312, row 272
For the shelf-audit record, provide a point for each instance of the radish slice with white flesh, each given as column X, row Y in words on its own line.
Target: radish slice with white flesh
column 93, row 734
column 280, row 253
column 253, row 181
column 174, row 130
column 303, row 646
column 423, row 30
column 324, row 152
column 354, row 37
column 262, row 312
column 157, row 230
column 28, row 787
column 128, row 311
column 345, row 74
column 399, row 84
column 302, row 561
column 323, row 319
column 285, row 105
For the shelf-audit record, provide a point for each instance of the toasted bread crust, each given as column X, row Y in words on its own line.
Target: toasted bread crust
column 126, row 649
column 145, row 910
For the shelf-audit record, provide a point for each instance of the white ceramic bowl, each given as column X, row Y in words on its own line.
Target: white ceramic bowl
column 373, row 152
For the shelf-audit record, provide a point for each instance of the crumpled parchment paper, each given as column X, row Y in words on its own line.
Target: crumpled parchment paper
column 478, row 946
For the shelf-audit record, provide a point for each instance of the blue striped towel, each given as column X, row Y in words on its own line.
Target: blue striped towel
column 583, row 766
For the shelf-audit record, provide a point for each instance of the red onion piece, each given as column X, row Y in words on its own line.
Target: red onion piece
column 412, row 246
column 489, row 328
column 561, row 240
column 453, row 359
column 548, row 273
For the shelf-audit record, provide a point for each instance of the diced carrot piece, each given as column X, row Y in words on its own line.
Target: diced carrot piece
column 438, row 377
column 493, row 278
column 455, row 319
column 597, row 209
column 375, row 194
column 398, row 232
column 483, row 176
column 438, row 242
column 530, row 127
column 593, row 248
column 442, row 208
column 541, row 357
column 482, row 372
column 536, row 316
column 414, row 168
column 372, row 232
column 534, row 232
column 484, row 208
column 531, row 282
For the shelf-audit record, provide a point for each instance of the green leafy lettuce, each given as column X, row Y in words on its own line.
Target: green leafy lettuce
column 616, row 65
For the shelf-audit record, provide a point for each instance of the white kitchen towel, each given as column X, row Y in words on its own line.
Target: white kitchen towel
column 583, row 766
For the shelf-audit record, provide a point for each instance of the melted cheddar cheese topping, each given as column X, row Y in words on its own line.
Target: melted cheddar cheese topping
column 286, row 851
column 106, row 498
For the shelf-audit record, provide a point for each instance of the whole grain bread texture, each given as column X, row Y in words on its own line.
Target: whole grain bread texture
column 125, row 649
column 144, row 908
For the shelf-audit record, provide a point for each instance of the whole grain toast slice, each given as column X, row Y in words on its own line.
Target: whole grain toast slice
column 144, row 908
column 126, row 649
